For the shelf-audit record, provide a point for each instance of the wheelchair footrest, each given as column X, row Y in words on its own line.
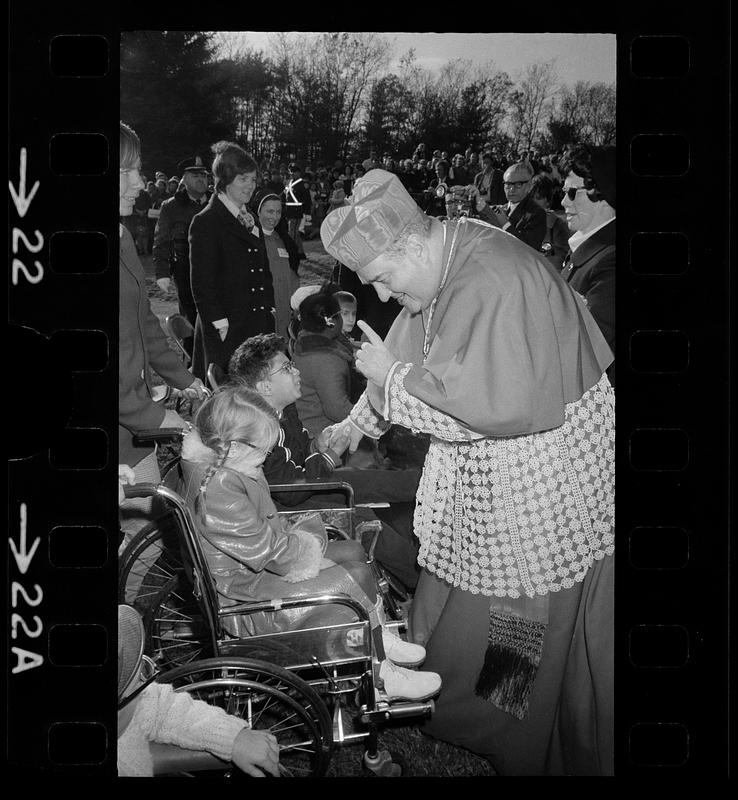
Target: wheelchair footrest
column 387, row 711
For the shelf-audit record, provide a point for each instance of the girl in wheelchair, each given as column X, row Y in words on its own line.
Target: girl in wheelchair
column 252, row 556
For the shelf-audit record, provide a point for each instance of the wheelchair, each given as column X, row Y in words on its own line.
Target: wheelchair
column 179, row 328
column 316, row 688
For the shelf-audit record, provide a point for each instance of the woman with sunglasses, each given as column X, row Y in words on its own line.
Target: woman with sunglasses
column 589, row 203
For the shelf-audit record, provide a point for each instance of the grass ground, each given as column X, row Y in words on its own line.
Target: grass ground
column 422, row 755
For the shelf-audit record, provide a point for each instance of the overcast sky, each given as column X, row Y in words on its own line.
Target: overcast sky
column 579, row 56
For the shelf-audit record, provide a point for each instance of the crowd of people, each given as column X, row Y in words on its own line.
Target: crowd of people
column 321, row 188
column 498, row 350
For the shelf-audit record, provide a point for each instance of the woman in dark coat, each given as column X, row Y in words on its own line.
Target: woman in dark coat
column 230, row 275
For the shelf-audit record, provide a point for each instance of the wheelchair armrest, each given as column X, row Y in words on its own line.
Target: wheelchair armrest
column 169, row 758
column 344, row 488
column 157, row 436
column 279, row 604
column 139, row 490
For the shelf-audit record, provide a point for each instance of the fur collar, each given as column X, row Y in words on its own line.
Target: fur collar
column 195, row 451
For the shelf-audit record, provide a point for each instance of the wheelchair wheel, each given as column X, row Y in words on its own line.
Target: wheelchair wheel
column 176, row 630
column 148, row 562
column 151, row 568
column 268, row 698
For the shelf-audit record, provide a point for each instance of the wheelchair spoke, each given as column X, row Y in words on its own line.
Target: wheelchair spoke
column 280, row 727
column 268, row 700
column 293, row 772
column 297, row 747
column 173, row 612
column 232, row 703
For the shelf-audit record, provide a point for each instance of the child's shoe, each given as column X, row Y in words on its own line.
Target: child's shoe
column 407, row 684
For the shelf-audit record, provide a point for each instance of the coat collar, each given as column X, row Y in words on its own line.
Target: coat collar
column 520, row 209
column 216, row 207
column 183, row 198
column 599, row 240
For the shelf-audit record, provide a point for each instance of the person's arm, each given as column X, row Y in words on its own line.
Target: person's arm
column 532, row 228
column 403, row 408
column 600, row 296
column 560, row 240
column 177, row 718
column 366, row 419
column 306, row 201
column 162, row 249
column 161, row 356
column 388, row 391
column 279, row 467
column 206, row 271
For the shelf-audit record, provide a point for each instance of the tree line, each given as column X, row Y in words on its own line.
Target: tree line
column 332, row 95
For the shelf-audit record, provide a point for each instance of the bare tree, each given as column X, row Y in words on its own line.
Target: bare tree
column 532, row 102
column 589, row 110
column 325, row 81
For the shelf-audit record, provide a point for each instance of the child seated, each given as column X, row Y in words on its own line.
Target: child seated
column 250, row 554
column 152, row 712
column 330, row 385
column 348, row 305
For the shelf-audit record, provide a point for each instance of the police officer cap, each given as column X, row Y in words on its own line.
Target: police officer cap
column 194, row 164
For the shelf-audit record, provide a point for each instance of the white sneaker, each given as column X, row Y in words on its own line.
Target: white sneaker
column 401, row 652
column 407, row 684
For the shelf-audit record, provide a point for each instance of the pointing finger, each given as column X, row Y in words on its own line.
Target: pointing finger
column 373, row 337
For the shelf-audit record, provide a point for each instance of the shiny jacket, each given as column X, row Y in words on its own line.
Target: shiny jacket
column 247, row 549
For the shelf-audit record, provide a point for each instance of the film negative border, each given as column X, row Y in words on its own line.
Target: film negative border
column 672, row 464
column 63, row 526
column 672, row 467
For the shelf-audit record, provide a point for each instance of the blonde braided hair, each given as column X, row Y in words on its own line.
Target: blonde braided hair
column 234, row 413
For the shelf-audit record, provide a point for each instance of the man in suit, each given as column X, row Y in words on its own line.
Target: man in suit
column 521, row 215
column 589, row 203
column 171, row 245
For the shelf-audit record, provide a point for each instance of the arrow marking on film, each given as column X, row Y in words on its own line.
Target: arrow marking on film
column 21, row 201
column 22, row 556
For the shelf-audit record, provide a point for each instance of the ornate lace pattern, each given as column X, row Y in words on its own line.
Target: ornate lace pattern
column 407, row 410
column 522, row 515
column 366, row 419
